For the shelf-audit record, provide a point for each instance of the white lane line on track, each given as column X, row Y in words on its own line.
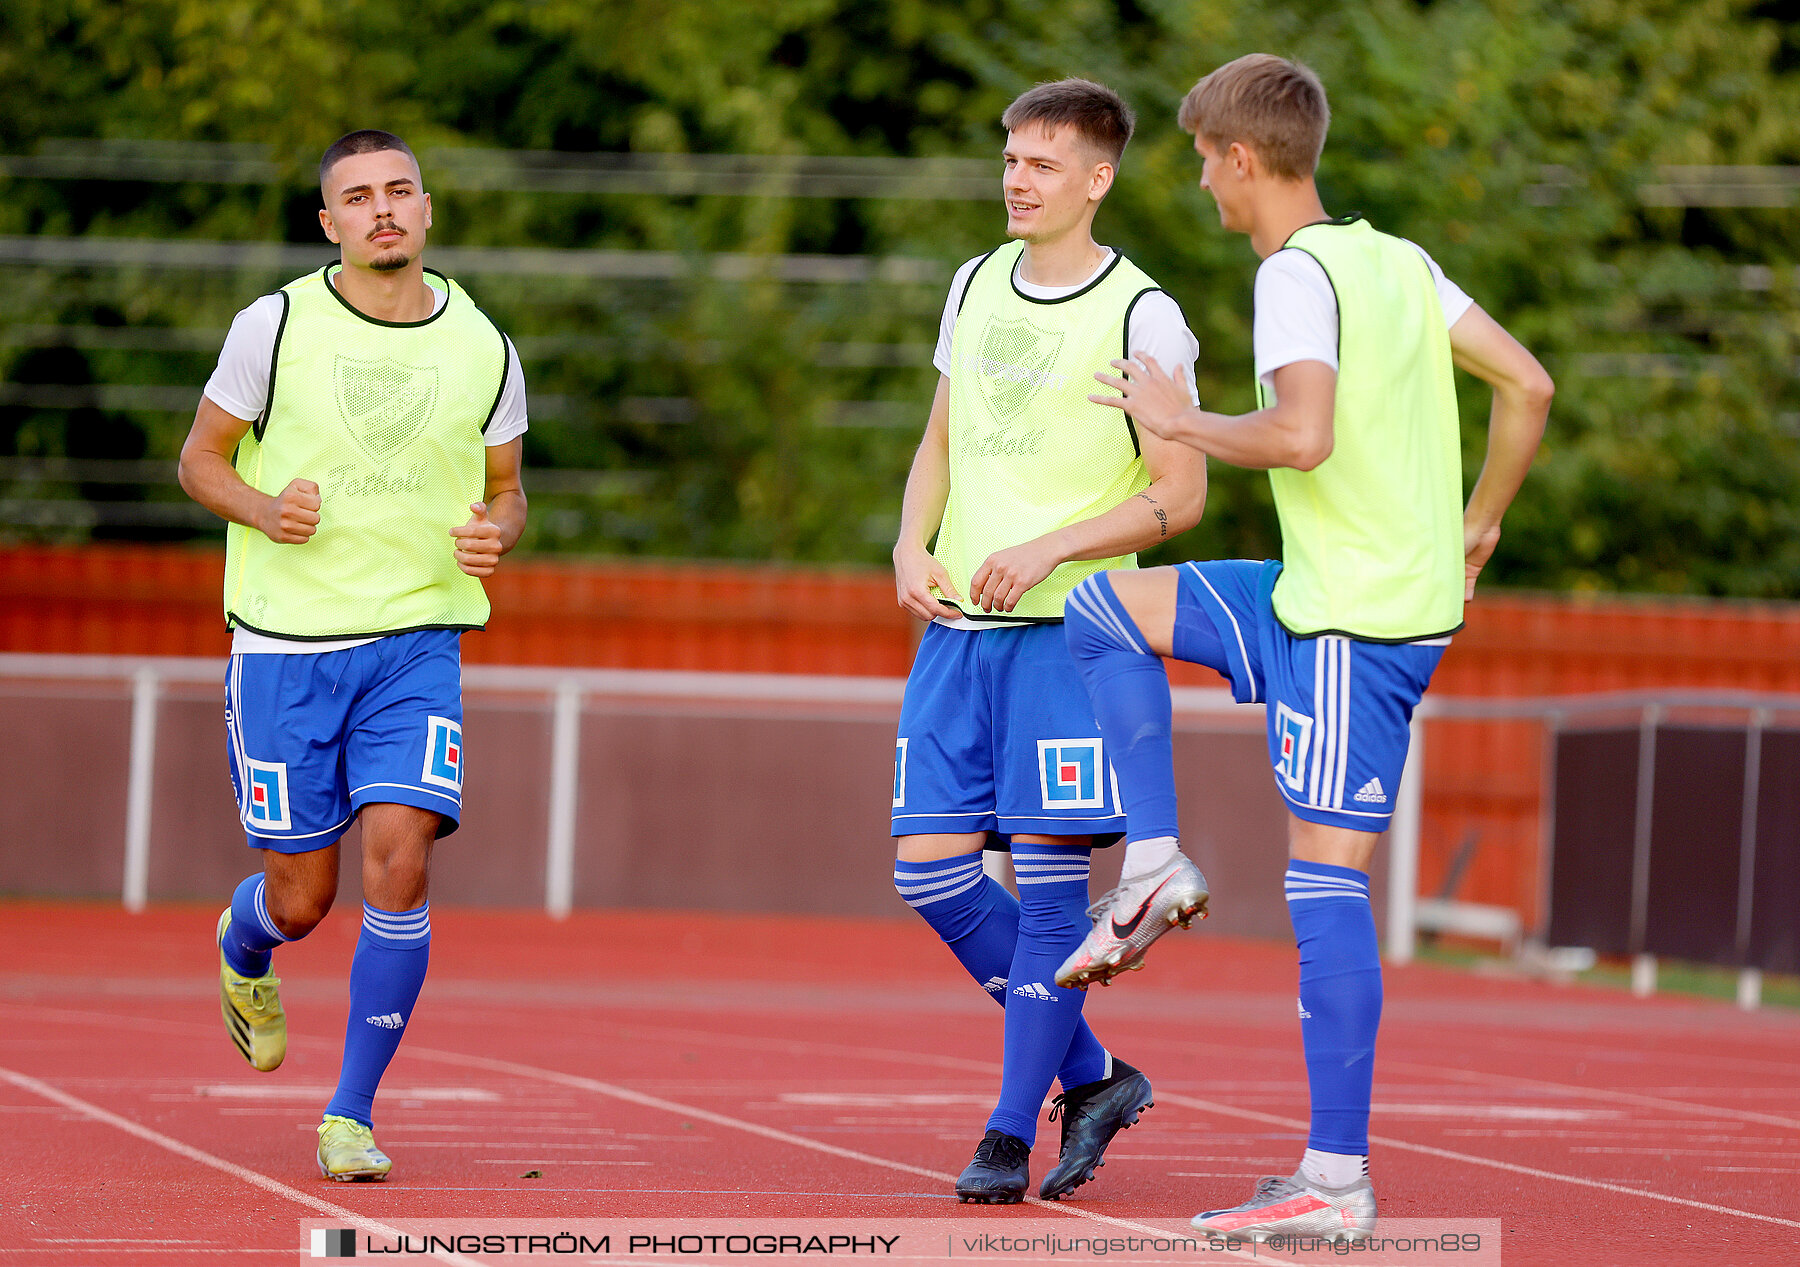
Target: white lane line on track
column 94, row 1112
column 581, row 1083
column 1593, row 1093
column 1208, row 1106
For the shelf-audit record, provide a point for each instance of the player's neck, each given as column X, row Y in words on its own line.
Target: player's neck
column 1067, row 261
column 1283, row 208
column 401, row 295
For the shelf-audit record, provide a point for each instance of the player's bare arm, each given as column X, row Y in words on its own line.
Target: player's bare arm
column 1522, row 394
column 1168, row 507
column 918, row 577
column 496, row 523
column 288, row 518
column 1295, row 431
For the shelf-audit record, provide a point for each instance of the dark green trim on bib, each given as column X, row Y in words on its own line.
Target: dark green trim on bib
column 1012, row 278
column 325, row 275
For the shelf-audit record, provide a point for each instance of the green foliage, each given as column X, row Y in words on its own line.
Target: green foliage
column 1514, row 139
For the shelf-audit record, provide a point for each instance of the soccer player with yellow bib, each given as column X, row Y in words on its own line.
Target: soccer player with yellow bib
column 1355, row 336
column 1028, row 487
column 362, row 434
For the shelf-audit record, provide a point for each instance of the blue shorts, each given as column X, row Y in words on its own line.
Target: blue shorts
column 313, row 738
column 997, row 734
column 1338, row 708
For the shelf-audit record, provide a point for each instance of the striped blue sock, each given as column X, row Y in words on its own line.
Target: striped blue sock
column 1340, row 999
column 385, row 978
column 1041, row 1016
column 251, row 935
column 979, row 920
column 1129, row 688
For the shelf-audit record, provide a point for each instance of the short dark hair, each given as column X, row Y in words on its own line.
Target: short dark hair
column 1273, row 106
column 1097, row 113
column 366, row 141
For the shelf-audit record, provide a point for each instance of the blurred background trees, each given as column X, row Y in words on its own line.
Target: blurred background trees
column 721, row 235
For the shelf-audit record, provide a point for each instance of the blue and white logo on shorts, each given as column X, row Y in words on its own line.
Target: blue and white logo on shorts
column 1070, row 771
column 443, row 754
column 1294, row 734
column 266, row 796
column 899, row 773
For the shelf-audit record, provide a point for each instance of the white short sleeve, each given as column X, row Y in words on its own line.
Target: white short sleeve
column 1159, row 327
column 240, row 382
column 1296, row 310
column 947, row 325
column 508, row 422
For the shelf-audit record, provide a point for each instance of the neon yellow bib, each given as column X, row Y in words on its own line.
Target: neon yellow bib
column 386, row 419
column 1029, row 452
column 1371, row 538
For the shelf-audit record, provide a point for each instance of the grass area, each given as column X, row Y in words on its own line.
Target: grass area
column 1672, row 976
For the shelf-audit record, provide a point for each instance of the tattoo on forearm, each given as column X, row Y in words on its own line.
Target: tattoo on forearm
column 1162, row 518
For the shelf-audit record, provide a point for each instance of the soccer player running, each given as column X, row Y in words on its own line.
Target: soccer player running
column 1029, row 487
column 1355, row 335
column 362, row 434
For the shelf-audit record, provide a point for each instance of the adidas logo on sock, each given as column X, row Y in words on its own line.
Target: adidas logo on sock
column 995, row 985
column 393, row 1020
column 1304, row 1014
column 1036, row 990
column 1372, row 793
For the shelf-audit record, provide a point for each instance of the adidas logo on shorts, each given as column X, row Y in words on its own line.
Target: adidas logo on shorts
column 1036, row 990
column 393, row 1020
column 995, row 985
column 1371, row 793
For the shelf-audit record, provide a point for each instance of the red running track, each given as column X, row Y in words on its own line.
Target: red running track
column 693, row 1064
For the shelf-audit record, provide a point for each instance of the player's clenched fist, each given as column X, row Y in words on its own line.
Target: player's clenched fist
column 292, row 515
column 477, row 542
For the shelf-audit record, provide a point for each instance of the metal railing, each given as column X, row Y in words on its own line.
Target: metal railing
column 566, row 690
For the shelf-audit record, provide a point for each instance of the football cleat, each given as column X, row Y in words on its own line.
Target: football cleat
column 1296, row 1207
column 1091, row 1115
column 252, row 1009
column 999, row 1173
column 1128, row 919
column 347, row 1151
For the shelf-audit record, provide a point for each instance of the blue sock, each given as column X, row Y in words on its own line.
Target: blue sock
column 1041, row 1016
column 385, row 978
column 251, row 935
column 979, row 920
column 1340, row 999
column 1129, row 688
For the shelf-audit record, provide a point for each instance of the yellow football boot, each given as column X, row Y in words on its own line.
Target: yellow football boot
column 252, row 1009
column 347, row 1151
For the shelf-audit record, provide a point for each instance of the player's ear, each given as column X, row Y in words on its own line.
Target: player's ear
column 325, row 224
column 1242, row 160
column 427, row 211
column 1101, row 181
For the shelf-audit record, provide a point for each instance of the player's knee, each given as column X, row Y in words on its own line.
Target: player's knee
column 297, row 914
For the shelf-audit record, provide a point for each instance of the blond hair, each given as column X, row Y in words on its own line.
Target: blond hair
column 1097, row 113
column 1270, row 105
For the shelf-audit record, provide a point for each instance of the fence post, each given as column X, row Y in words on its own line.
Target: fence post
column 565, row 764
column 1403, row 850
column 1640, row 852
column 144, row 690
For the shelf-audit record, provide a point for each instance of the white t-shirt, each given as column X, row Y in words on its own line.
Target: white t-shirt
column 1297, row 314
column 1157, row 327
column 240, row 386
column 1157, row 324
